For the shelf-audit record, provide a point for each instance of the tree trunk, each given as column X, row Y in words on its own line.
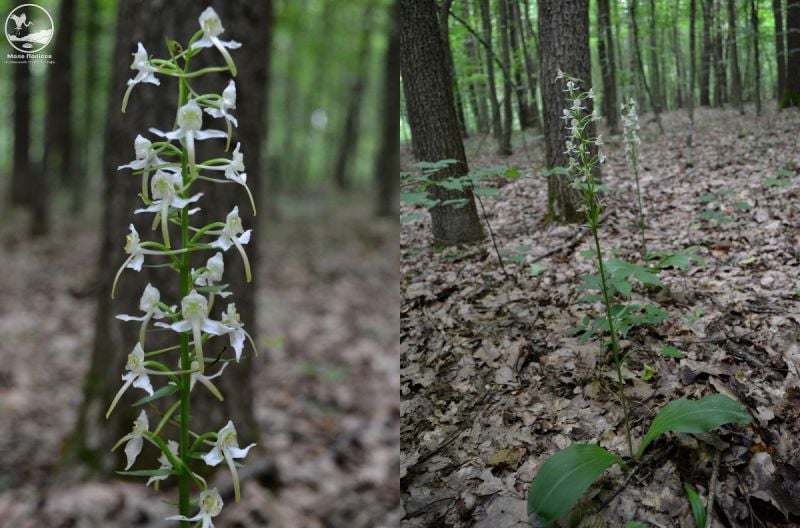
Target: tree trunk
column 791, row 95
column 720, row 78
column 486, row 19
column 387, row 162
column 680, row 72
column 432, row 117
column 705, row 57
column 477, row 88
column 608, row 67
column 530, row 63
column 504, row 147
column 523, row 108
column 153, row 106
column 444, row 17
column 637, row 56
column 348, row 144
column 780, row 48
column 563, row 44
column 529, row 87
column 87, row 151
column 733, row 58
column 757, row 59
column 21, row 189
column 655, row 72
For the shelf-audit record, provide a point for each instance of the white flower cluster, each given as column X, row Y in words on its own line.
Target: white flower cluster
column 577, row 119
column 630, row 128
column 169, row 168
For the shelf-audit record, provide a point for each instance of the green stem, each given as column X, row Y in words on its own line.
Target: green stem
column 635, row 164
column 184, row 477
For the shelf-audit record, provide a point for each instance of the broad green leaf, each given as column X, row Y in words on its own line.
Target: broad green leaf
column 671, row 351
column 451, row 184
column 681, row 261
column 743, row 206
column 556, row 171
column 456, row 202
column 434, row 165
column 636, row 524
column 648, row 373
column 414, row 198
column 564, row 477
column 485, row 191
column 536, row 269
column 411, row 217
column 698, row 508
column 705, row 198
column 166, row 390
column 620, row 269
column 695, row 416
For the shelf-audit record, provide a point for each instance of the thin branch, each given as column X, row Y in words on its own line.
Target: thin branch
column 483, row 43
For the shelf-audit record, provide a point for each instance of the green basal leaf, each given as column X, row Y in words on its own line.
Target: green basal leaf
column 705, row 198
column 563, row 171
column 742, row 206
column 695, row 416
column 635, row 524
column 649, row 372
column 565, row 477
column 451, row 184
column 164, row 391
column 414, row 198
column 435, row 165
column 456, row 202
column 670, row 351
column 698, row 508
column 485, row 191
column 405, row 219
column 621, row 269
column 536, row 269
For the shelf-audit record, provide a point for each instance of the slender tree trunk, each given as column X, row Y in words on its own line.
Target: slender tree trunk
column 791, row 95
column 720, row 78
column 20, row 176
column 655, row 72
column 608, row 67
column 530, row 38
column 154, row 106
column 564, row 45
column 444, row 30
column 680, row 72
column 780, row 49
column 637, row 55
column 504, row 148
column 387, row 162
column 692, row 57
column 733, row 58
column 527, row 62
column 705, row 57
column 757, row 58
column 517, row 60
column 477, row 88
column 348, row 143
column 486, row 18
column 87, row 148
column 432, row 117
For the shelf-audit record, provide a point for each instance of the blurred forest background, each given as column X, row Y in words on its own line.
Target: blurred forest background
column 318, row 101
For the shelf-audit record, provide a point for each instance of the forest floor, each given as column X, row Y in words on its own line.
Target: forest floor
column 326, row 390
column 493, row 383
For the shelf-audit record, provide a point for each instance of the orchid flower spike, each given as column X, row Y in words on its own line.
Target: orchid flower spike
column 166, row 189
column 149, row 305
column 210, row 505
column 137, row 376
column 194, row 309
column 227, row 448
column 212, row 29
column 133, row 440
column 146, row 160
column 233, row 234
column 145, row 73
column 172, row 445
column 190, row 124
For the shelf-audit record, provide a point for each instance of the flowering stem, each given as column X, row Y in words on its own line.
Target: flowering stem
column 184, row 478
column 635, row 164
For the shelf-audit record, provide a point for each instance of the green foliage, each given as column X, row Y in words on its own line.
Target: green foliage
column 783, row 178
column 564, row 477
column 695, row 416
column 682, row 259
column 713, row 213
column 671, row 352
column 698, row 508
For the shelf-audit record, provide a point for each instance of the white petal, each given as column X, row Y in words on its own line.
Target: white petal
column 184, row 518
column 237, row 342
column 245, row 237
column 136, row 262
column 126, row 317
column 213, row 457
column 143, row 382
column 215, row 327
column 132, row 450
column 240, row 453
column 209, row 134
column 204, row 42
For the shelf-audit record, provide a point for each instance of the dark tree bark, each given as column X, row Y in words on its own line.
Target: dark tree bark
column 608, row 67
column 154, row 106
column 563, row 44
column 705, row 57
column 86, row 149
column 523, row 109
column 692, row 57
column 486, row 22
column 387, row 162
column 680, row 72
column 780, row 48
column 757, row 58
column 655, row 71
column 479, row 98
column 432, row 117
column 720, row 78
column 348, row 142
column 21, row 189
column 791, row 93
column 444, row 18
column 528, row 88
column 504, row 147
column 639, row 64
column 733, row 58
column 530, row 41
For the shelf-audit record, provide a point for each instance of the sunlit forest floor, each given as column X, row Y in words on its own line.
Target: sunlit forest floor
column 326, row 387
column 492, row 383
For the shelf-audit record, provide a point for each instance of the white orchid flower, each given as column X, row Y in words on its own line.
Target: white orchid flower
column 227, row 448
column 134, row 439
column 228, row 103
column 233, row 234
column 165, row 188
column 144, row 74
column 190, row 124
column 172, row 445
column 215, row 266
column 194, row 309
column 137, row 376
column 212, row 29
column 234, row 171
column 146, row 160
column 237, row 333
column 206, row 380
column 149, row 305
column 210, row 505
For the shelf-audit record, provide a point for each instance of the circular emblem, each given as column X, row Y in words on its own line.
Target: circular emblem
column 29, row 28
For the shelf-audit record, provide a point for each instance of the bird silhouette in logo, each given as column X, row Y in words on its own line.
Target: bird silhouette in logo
column 20, row 21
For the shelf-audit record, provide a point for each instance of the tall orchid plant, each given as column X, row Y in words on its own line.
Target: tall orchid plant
column 169, row 168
